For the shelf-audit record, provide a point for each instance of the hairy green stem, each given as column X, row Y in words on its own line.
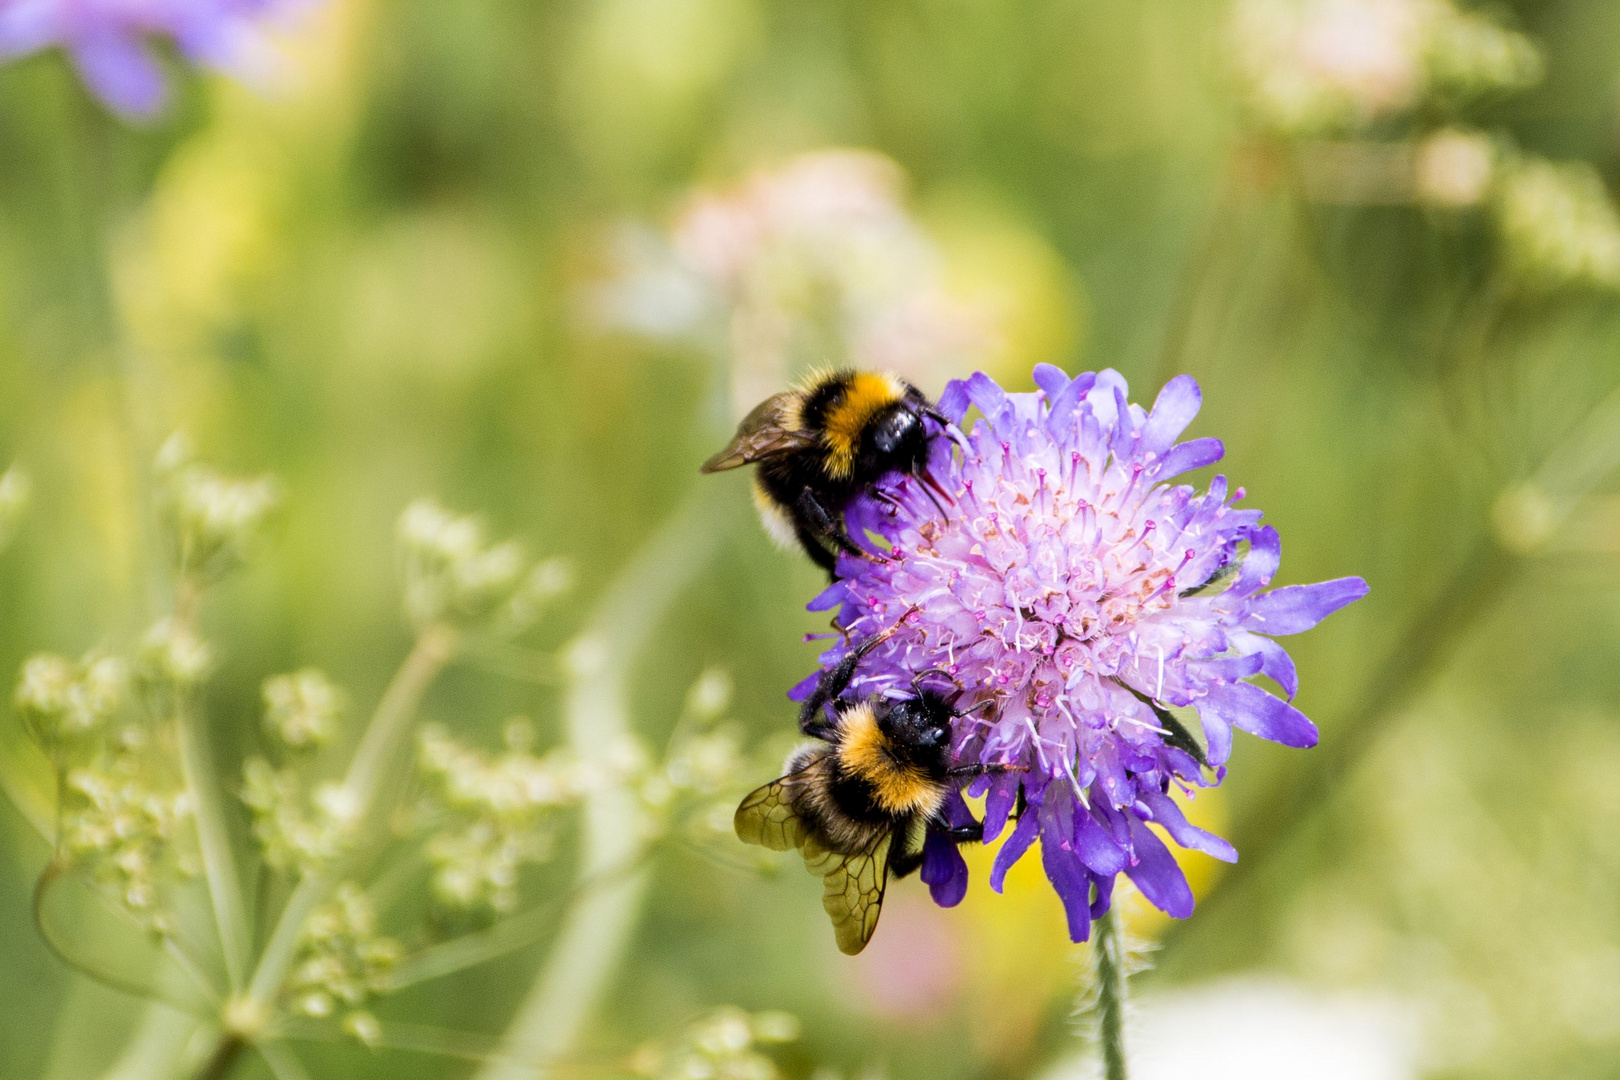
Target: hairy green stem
column 1109, row 956
column 595, row 933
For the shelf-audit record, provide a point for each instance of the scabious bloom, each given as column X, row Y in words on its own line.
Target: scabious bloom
column 1047, row 566
column 109, row 41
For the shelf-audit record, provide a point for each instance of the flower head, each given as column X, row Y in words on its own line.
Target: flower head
column 108, row 40
column 1077, row 598
column 817, row 260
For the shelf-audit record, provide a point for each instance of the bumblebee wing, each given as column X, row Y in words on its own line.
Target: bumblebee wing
column 766, row 817
column 852, row 888
column 766, row 432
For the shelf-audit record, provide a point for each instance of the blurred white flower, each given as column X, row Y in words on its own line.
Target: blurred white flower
column 343, row 961
column 815, row 262
column 1558, row 225
column 296, row 832
column 172, row 654
column 61, row 702
column 453, row 572
column 1454, row 168
column 496, row 813
column 213, row 516
column 1315, row 65
column 302, row 709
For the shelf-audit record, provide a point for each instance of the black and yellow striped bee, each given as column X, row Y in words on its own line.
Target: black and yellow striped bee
column 819, row 445
column 860, row 803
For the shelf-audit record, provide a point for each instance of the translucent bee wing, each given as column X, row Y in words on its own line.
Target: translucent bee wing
column 768, row 431
column 766, row 817
column 852, row 888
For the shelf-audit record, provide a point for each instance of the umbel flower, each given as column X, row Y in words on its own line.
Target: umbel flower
column 109, row 41
column 1047, row 566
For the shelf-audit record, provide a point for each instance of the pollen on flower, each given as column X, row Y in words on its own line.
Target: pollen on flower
column 1076, row 598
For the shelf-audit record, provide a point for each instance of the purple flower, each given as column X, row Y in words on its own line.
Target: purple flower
column 108, row 40
column 1047, row 565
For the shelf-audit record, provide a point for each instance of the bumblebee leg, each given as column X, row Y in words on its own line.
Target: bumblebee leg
column 822, row 523
column 833, row 682
column 902, row 863
column 980, row 769
column 965, row 834
column 813, row 547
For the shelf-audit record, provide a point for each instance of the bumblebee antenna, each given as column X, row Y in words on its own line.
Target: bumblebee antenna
column 916, row 679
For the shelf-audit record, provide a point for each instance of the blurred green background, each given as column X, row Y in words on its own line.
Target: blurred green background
column 389, row 279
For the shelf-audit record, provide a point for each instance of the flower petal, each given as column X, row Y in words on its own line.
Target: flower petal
column 1259, row 565
column 1012, row 849
column 1073, row 886
column 1176, row 406
column 1167, row 813
column 953, row 402
column 1104, row 898
column 1296, row 608
column 1052, row 379
column 1157, row 874
column 1190, row 455
column 120, row 71
column 1246, row 706
column 944, row 870
column 1276, row 664
column 1095, row 847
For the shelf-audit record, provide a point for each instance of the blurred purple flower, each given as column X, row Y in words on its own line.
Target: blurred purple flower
column 1069, row 583
column 109, row 41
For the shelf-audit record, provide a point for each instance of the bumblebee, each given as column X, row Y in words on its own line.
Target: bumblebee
column 819, row 445
column 859, row 804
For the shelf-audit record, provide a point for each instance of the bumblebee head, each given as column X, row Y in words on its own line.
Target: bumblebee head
column 919, row 729
column 896, row 439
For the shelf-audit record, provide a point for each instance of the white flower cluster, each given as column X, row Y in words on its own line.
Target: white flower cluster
column 301, row 710
column 453, row 573
column 121, row 824
column 704, row 759
column 343, row 961
column 63, row 703
column 1321, row 66
column 496, row 813
column 723, row 1046
column 215, row 518
column 16, row 491
column 173, row 656
column 296, row 831
column 1558, row 225
column 817, row 261
column 121, row 804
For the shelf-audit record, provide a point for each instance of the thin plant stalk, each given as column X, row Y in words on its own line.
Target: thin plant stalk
column 214, row 841
column 1109, row 949
column 382, row 742
column 594, row 934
